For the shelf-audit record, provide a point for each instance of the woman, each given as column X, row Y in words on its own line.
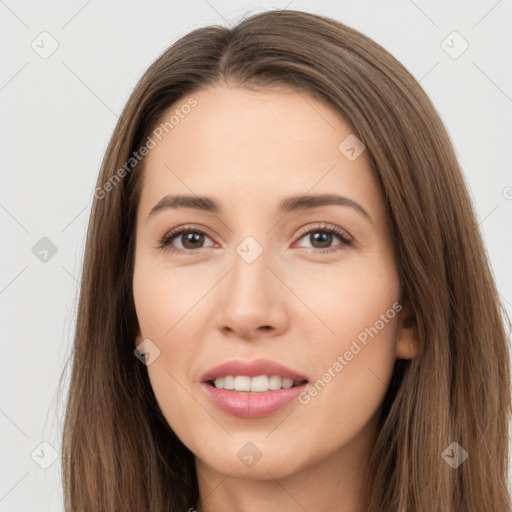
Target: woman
column 220, row 363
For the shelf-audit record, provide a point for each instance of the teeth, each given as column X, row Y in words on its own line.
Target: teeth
column 242, row 383
column 258, row 384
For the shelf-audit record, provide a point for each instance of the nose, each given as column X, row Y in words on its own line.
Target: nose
column 252, row 303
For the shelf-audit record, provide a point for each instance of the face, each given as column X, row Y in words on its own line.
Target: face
column 312, row 286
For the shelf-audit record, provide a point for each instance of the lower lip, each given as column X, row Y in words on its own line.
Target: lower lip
column 246, row 404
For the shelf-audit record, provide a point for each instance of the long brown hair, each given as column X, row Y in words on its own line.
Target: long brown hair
column 119, row 453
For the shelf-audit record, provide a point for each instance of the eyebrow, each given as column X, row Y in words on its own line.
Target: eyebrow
column 289, row 204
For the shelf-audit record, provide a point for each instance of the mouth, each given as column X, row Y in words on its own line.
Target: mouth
column 257, row 384
column 252, row 389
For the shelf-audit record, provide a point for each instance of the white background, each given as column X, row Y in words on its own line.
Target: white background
column 57, row 115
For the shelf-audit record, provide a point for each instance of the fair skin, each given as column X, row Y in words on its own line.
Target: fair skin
column 294, row 304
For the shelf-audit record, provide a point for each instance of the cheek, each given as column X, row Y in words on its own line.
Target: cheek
column 164, row 296
column 166, row 316
column 354, row 349
column 168, row 309
column 353, row 375
column 344, row 300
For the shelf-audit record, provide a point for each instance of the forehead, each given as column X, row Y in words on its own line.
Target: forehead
column 242, row 145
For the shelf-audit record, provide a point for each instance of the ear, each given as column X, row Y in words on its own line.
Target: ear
column 407, row 344
column 139, row 338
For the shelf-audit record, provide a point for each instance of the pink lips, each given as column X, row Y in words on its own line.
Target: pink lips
column 246, row 404
column 251, row 369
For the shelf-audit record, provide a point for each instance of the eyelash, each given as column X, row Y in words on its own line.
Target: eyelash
column 165, row 241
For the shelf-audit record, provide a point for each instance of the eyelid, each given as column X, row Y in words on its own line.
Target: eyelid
column 321, row 226
column 171, row 235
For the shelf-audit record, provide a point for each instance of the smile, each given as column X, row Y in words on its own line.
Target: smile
column 259, row 384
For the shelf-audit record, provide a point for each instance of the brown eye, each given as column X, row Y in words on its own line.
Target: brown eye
column 192, row 240
column 187, row 239
column 322, row 238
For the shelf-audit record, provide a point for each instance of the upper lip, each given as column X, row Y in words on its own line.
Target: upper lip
column 251, row 369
